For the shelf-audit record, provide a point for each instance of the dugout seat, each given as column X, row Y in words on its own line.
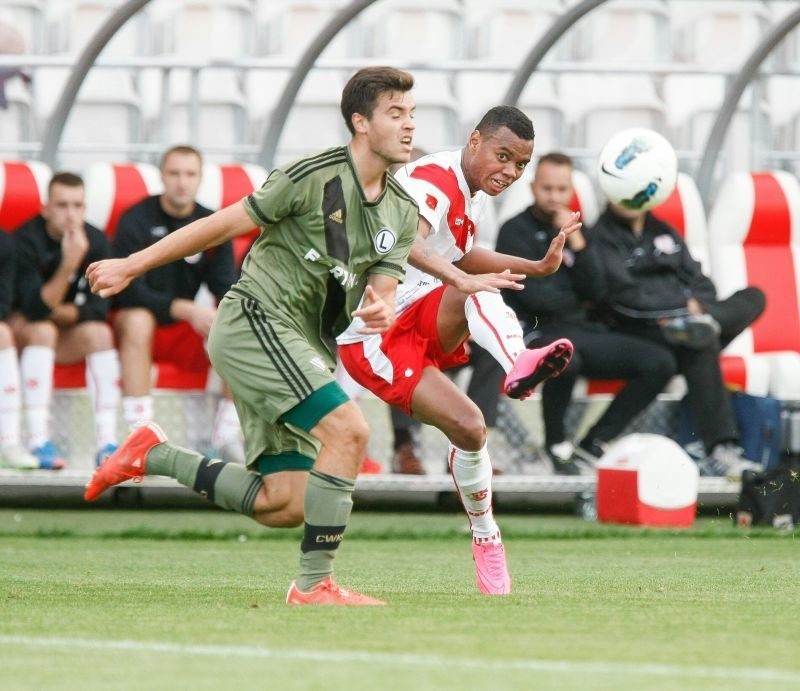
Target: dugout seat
column 754, row 230
column 23, row 190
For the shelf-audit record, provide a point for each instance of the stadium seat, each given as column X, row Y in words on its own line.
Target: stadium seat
column 111, row 188
column 599, row 108
column 754, row 230
column 692, row 105
column 715, row 34
column 217, row 29
column 23, row 190
column 27, row 17
column 315, row 119
column 437, row 116
column 18, row 131
column 107, row 96
column 506, row 30
column 685, row 212
column 223, row 185
column 70, row 26
column 640, row 31
column 287, row 28
column 427, row 30
column 220, row 126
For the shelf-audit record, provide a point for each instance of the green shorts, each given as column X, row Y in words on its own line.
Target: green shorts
column 280, row 384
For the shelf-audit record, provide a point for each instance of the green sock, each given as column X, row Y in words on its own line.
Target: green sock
column 228, row 485
column 328, row 502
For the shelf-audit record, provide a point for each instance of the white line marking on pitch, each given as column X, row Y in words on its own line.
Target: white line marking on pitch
column 565, row 666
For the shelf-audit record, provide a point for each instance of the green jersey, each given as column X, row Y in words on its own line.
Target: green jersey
column 320, row 241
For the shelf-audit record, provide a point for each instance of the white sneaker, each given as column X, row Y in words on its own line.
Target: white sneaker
column 726, row 460
column 18, row 457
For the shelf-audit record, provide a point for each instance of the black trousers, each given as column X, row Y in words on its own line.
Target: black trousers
column 706, row 393
column 600, row 354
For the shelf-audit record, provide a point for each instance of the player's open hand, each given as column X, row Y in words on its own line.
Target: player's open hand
column 491, row 283
column 109, row 276
column 552, row 260
column 376, row 314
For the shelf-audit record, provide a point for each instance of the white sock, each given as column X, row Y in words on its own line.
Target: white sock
column 10, row 398
column 102, row 382
column 494, row 326
column 472, row 473
column 226, row 425
column 36, row 370
column 136, row 409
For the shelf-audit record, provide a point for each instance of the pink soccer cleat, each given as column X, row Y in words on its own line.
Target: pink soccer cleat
column 327, row 592
column 491, row 569
column 534, row 365
column 127, row 462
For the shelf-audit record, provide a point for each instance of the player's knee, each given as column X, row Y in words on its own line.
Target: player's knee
column 135, row 325
column 278, row 507
column 470, row 432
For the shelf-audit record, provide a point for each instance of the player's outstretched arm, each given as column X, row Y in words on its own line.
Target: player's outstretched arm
column 111, row 276
column 425, row 258
column 481, row 260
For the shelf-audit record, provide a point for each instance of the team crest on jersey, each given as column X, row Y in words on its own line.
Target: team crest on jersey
column 384, row 241
column 431, row 202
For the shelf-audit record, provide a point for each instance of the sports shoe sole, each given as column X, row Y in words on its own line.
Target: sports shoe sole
column 551, row 364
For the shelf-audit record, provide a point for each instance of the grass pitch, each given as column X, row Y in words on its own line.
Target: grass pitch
column 162, row 600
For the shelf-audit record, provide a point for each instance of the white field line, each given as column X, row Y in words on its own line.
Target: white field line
column 406, row 660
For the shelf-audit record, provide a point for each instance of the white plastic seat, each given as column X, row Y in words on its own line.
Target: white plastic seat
column 716, row 34
column 754, row 231
column 26, row 17
column 71, row 24
column 599, row 106
column 506, row 30
column 111, row 188
column 692, row 106
column 216, row 29
column 220, row 128
column 425, row 30
column 287, row 28
column 438, row 125
column 623, row 32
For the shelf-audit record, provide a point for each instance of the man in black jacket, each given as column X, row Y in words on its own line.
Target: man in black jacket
column 554, row 306
column 652, row 288
column 57, row 318
column 165, row 297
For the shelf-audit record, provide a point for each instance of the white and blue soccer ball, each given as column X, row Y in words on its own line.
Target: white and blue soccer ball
column 637, row 169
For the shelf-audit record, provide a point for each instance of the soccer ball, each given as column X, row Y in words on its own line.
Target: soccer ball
column 637, row 169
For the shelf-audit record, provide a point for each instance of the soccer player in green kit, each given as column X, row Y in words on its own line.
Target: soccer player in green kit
column 336, row 234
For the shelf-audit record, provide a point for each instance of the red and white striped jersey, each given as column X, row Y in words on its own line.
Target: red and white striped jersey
column 437, row 183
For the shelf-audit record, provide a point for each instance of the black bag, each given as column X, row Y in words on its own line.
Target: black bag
column 770, row 498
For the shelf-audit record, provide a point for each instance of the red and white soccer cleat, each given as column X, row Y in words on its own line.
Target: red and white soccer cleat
column 327, row 592
column 127, row 462
column 534, row 365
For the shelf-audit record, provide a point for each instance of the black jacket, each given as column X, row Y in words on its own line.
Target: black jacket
column 559, row 297
column 144, row 224
column 7, row 273
column 38, row 257
column 650, row 275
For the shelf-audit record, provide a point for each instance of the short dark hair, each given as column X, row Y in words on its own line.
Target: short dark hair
column 360, row 94
column 506, row 116
column 65, row 178
column 179, row 149
column 556, row 158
